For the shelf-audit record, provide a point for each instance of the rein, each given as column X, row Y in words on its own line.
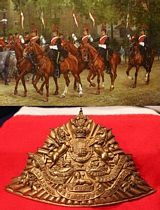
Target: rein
column 94, row 59
column 32, row 56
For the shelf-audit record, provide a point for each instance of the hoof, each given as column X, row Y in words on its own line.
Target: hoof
column 15, row 92
column 6, row 83
column 97, row 93
column 92, row 85
column 41, row 92
column 56, row 93
column 130, row 78
column 134, row 86
column 80, row 95
column 62, row 96
column 111, row 88
column 45, row 99
column 146, row 79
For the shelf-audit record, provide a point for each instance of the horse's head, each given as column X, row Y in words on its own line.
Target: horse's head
column 10, row 45
column 84, row 52
column 28, row 49
column 133, row 39
column 66, row 46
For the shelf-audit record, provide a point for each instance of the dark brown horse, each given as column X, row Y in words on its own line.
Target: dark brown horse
column 24, row 66
column 136, row 60
column 46, row 69
column 97, row 65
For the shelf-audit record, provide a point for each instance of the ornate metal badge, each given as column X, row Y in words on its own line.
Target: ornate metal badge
column 80, row 164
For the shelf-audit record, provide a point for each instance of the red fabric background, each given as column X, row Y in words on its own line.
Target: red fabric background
column 137, row 135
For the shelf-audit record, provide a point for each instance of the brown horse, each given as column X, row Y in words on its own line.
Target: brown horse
column 82, row 64
column 70, row 47
column 24, row 66
column 97, row 65
column 137, row 60
column 46, row 69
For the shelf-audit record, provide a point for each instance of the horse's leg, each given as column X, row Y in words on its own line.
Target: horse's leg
column 128, row 70
column 92, row 76
column 136, row 75
column 47, row 87
column 17, row 81
column 113, row 76
column 35, row 83
column 6, row 69
column 98, row 82
column 75, row 85
column 33, row 78
column 41, row 88
column 102, row 75
column 65, row 75
column 89, row 78
column 147, row 77
column 56, row 84
column 78, row 80
column 80, row 90
column 24, row 85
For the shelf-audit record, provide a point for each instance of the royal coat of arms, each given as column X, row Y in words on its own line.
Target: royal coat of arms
column 80, row 164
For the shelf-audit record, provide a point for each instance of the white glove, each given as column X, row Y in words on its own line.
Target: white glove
column 90, row 38
column 102, row 46
column 129, row 36
column 21, row 38
column 76, row 44
column 74, row 37
column 53, row 47
column 42, row 39
column 141, row 43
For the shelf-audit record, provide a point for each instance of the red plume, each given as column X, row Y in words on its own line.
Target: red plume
column 103, row 27
column 54, row 28
column 86, row 27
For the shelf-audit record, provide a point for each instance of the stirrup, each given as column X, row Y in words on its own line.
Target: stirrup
column 108, row 70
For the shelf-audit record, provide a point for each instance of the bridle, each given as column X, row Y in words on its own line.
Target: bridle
column 32, row 56
column 86, row 54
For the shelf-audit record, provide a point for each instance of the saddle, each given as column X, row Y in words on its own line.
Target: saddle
column 110, row 51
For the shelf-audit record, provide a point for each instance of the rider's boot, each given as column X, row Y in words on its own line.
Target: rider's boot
column 108, row 68
column 57, row 71
column 146, row 62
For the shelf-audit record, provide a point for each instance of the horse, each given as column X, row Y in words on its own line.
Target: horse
column 70, row 47
column 46, row 68
column 24, row 66
column 4, row 65
column 136, row 60
column 97, row 65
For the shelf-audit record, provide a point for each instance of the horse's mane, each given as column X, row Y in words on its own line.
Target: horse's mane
column 19, row 46
column 90, row 47
column 38, row 48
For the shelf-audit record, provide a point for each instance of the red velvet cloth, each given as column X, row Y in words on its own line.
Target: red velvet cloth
column 137, row 135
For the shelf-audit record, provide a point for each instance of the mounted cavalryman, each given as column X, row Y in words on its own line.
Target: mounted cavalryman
column 55, row 45
column 144, row 47
column 103, row 47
